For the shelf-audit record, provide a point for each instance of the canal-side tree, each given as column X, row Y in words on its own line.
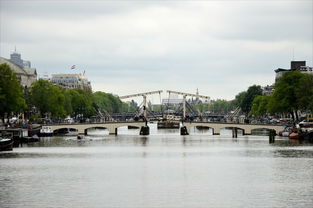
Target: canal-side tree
column 48, row 99
column 221, row 106
column 305, row 93
column 132, row 106
column 81, row 103
column 287, row 95
column 67, row 102
column 107, row 102
column 244, row 99
column 11, row 92
column 260, row 105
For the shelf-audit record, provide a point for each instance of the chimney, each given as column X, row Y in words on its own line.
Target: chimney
column 295, row 65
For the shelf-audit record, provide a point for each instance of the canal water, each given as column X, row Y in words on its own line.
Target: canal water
column 163, row 169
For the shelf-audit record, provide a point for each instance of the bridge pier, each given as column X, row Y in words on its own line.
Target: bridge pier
column 272, row 135
column 183, row 130
column 235, row 132
column 144, row 130
column 216, row 131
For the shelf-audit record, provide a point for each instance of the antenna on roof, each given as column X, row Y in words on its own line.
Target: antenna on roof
column 293, row 54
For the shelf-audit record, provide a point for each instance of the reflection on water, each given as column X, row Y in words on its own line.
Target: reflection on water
column 163, row 169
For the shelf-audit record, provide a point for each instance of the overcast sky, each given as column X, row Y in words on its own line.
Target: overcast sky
column 126, row 47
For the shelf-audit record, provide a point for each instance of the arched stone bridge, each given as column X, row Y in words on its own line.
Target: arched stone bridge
column 111, row 127
column 246, row 128
column 216, row 127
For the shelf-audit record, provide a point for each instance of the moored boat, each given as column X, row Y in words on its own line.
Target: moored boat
column 46, row 131
column 6, row 144
column 169, row 121
column 29, row 139
column 34, row 130
column 307, row 134
column 294, row 135
column 286, row 132
column 80, row 137
column 168, row 125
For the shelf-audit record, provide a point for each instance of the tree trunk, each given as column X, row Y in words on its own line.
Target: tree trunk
column 297, row 116
column 293, row 118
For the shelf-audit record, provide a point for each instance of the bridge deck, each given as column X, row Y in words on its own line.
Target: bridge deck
column 111, row 126
column 245, row 127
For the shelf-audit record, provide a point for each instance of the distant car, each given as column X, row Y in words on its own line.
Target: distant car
column 274, row 121
column 285, row 120
column 306, row 123
column 13, row 120
column 69, row 120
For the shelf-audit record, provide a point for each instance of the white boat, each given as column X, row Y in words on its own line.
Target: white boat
column 45, row 131
column 286, row 132
column 6, row 144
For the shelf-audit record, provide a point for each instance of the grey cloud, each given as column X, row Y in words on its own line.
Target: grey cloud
column 182, row 44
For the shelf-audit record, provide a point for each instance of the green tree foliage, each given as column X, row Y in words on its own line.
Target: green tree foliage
column 260, row 105
column 48, row 98
column 244, row 99
column 81, row 102
column 106, row 102
column 78, row 103
column 68, row 102
column 239, row 99
column 201, row 107
column 293, row 92
column 221, row 106
column 305, row 93
column 133, row 106
column 11, row 92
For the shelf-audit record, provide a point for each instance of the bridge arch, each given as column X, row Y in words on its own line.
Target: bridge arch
column 201, row 127
column 233, row 128
column 65, row 131
column 245, row 127
column 96, row 130
column 130, row 127
column 111, row 126
column 264, row 128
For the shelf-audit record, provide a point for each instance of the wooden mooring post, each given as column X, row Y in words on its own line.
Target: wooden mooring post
column 145, row 130
column 234, row 132
column 272, row 135
column 183, row 130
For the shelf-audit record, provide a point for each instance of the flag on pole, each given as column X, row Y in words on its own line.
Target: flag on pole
column 73, row 67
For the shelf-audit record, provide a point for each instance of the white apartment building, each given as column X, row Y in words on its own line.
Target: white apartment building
column 71, row 81
column 25, row 75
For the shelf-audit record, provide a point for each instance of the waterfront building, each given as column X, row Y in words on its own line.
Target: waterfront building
column 45, row 76
column 24, row 73
column 71, row 81
column 267, row 90
column 15, row 57
column 294, row 66
column 172, row 100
